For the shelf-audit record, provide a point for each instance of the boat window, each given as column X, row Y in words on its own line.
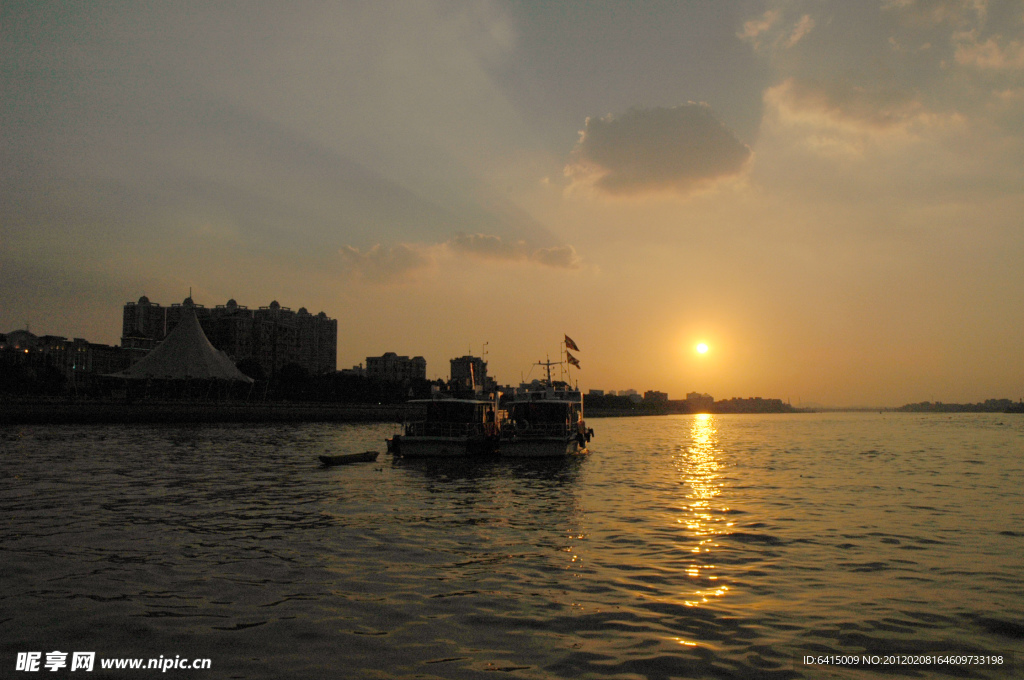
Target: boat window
column 455, row 412
column 542, row 412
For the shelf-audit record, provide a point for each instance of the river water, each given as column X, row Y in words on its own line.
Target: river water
column 761, row 546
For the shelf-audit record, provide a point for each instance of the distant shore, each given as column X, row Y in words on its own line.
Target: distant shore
column 631, row 413
column 987, row 406
column 54, row 411
column 59, row 411
column 88, row 411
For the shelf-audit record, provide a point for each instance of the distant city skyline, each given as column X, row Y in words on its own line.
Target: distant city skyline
column 145, row 323
column 422, row 371
column 825, row 194
column 142, row 330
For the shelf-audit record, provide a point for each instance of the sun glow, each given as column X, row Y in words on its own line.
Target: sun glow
column 702, row 348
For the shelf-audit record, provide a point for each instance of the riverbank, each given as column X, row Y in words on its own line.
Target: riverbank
column 64, row 411
column 85, row 412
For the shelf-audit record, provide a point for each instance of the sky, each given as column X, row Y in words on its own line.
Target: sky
column 830, row 195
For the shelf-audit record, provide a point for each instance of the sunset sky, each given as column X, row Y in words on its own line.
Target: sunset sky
column 830, row 195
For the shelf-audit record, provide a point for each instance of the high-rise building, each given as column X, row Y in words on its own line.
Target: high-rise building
column 275, row 337
column 232, row 329
column 470, row 372
column 272, row 336
column 144, row 324
column 391, row 367
column 318, row 341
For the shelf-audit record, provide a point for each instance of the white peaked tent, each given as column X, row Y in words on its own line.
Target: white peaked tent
column 185, row 353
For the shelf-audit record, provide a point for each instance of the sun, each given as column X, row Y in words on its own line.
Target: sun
column 702, row 348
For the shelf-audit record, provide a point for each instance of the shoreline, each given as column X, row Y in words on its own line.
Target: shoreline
column 59, row 412
column 84, row 412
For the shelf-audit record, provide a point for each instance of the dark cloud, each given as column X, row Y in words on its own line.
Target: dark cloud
column 680, row 149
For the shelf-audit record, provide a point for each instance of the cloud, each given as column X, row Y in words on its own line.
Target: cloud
column 770, row 30
column 563, row 257
column 980, row 35
column 681, row 149
column 929, row 13
column 802, row 28
column 489, row 247
column 401, row 262
column 839, row 103
column 495, row 248
column 990, row 54
column 383, row 263
column 755, row 28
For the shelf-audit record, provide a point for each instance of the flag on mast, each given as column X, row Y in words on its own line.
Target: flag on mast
column 569, row 344
column 571, row 359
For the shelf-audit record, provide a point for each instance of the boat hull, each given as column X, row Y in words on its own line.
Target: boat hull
column 441, row 447
column 542, row 447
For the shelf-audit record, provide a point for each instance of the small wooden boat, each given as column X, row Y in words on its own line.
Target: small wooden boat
column 345, row 458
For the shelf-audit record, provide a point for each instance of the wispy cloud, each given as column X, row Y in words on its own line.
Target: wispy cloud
column 772, row 30
column 489, row 247
column 840, row 103
column 754, row 29
column 994, row 53
column 680, row 149
column 560, row 257
column 381, row 264
column 802, row 28
column 495, row 248
column 404, row 261
column 937, row 12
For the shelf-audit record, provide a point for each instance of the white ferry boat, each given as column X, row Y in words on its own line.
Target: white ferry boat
column 451, row 427
column 545, row 422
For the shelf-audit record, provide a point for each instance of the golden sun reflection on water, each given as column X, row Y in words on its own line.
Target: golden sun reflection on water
column 700, row 470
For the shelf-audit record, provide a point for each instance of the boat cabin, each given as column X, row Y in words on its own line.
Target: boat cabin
column 543, row 414
column 459, row 411
column 454, row 417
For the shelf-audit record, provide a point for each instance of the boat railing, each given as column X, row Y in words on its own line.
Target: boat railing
column 523, row 429
column 437, row 429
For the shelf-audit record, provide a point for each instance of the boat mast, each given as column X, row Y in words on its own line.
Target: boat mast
column 547, row 365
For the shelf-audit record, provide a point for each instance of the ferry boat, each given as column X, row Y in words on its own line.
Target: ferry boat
column 545, row 422
column 451, row 427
